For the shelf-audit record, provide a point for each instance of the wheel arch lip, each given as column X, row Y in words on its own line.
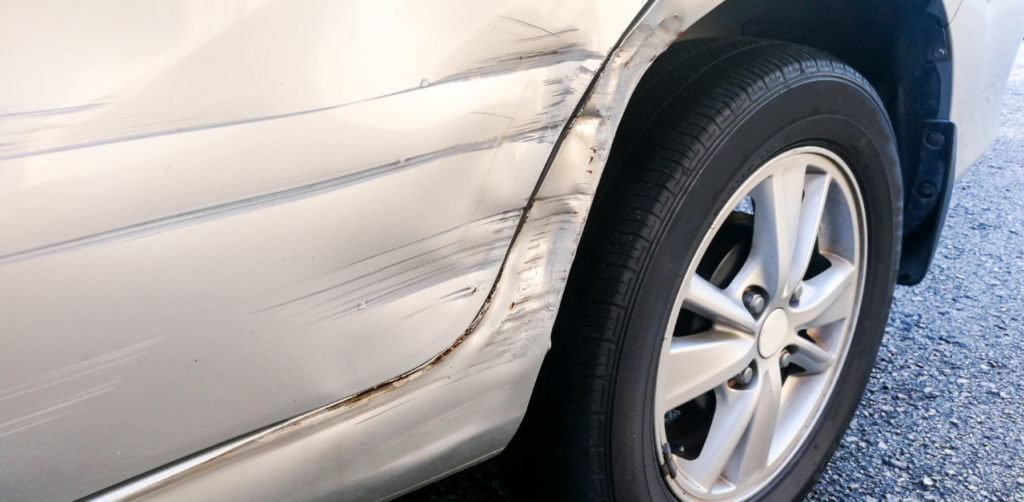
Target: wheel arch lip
column 882, row 112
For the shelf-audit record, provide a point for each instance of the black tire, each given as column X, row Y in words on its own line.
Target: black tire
column 707, row 114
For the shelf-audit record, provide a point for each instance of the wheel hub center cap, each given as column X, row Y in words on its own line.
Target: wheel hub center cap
column 773, row 333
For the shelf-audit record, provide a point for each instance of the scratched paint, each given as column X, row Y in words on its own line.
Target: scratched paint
column 547, row 243
column 175, row 202
column 542, row 133
column 398, row 273
column 52, row 410
column 55, row 394
column 464, row 404
column 488, row 371
column 78, row 370
column 20, row 143
column 303, row 227
column 292, row 254
column 554, row 223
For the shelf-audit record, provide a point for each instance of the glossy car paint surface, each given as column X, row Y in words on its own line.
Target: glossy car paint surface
column 218, row 216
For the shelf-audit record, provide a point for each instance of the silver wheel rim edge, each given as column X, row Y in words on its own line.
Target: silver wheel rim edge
column 839, row 181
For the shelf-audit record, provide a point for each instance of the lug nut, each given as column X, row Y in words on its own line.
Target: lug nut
column 797, row 293
column 785, row 358
column 744, row 377
column 754, row 302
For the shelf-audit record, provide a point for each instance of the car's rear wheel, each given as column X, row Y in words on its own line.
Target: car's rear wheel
column 761, row 327
column 731, row 289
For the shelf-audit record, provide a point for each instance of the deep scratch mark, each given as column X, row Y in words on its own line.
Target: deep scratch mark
column 549, row 34
column 360, row 277
column 501, row 65
column 450, row 297
column 493, row 115
column 484, row 257
column 541, row 279
column 479, row 246
column 458, row 295
column 524, row 23
column 525, row 60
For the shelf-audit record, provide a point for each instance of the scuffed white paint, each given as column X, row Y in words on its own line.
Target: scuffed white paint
column 268, row 188
column 474, row 393
column 464, row 403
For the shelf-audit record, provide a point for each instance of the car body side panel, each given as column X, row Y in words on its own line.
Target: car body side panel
column 352, row 210
column 217, row 215
column 986, row 35
column 466, row 403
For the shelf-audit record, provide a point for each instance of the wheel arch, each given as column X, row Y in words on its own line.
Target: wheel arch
column 607, row 131
column 915, row 87
column 903, row 49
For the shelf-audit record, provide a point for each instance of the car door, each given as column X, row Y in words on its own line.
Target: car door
column 216, row 215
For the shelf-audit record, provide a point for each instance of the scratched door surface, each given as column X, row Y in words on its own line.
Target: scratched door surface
column 215, row 215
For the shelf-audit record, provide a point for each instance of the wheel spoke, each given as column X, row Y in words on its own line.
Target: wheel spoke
column 753, row 452
column 805, row 209
column 815, row 193
column 809, row 355
column 697, row 363
column 733, row 411
column 752, row 272
column 827, row 297
column 777, row 202
column 709, row 301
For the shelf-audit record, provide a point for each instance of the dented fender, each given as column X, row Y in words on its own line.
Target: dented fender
column 464, row 404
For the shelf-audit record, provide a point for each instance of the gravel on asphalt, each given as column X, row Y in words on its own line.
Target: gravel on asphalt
column 943, row 416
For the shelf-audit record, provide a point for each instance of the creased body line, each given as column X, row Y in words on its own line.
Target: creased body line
column 536, row 134
column 502, row 65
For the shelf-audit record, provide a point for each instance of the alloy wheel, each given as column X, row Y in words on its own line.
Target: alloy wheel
column 761, row 327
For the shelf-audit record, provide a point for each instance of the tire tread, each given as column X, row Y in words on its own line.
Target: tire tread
column 699, row 97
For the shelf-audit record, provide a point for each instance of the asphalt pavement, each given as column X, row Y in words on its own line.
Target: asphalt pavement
column 943, row 415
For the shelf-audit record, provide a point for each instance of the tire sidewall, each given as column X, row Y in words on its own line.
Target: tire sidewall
column 820, row 110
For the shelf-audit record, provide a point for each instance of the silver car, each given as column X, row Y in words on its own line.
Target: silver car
column 257, row 250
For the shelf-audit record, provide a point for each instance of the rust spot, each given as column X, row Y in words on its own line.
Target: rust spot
column 398, row 381
column 261, row 438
